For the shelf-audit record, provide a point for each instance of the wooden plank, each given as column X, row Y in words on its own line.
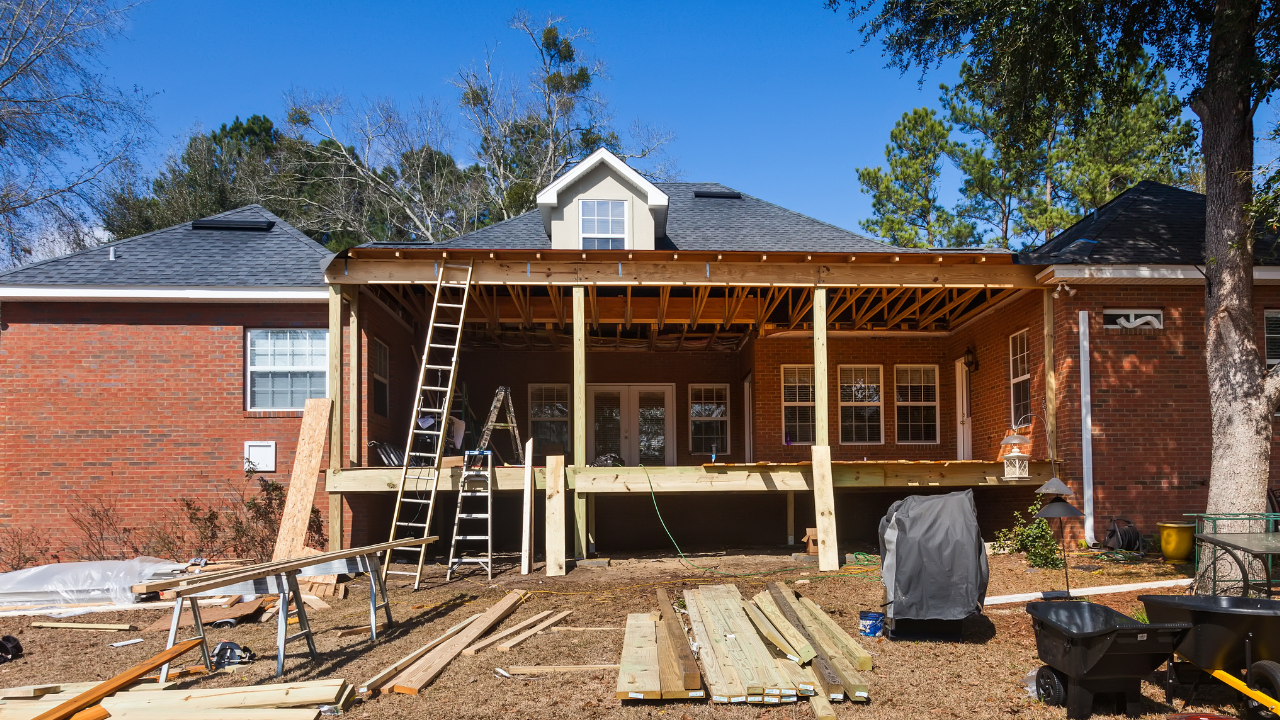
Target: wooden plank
column 29, row 691
column 335, row 521
column 526, row 534
column 486, row 642
column 824, row 501
column 66, row 709
column 832, row 687
column 166, row 713
column 306, row 472
column 765, row 604
column 579, row 378
column 82, row 626
column 850, row 647
column 822, row 709
column 769, row 632
column 394, row 668
column 681, row 654
column 638, row 677
column 537, row 669
column 822, row 399
column 802, row 678
column 855, row 687
column 723, row 682
column 669, row 675
column 276, row 695
column 415, row 677
column 506, row 646
column 335, row 395
column 727, row 601
column 727, row 644
column 555, row 516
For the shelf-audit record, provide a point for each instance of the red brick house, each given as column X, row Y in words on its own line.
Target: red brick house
column 717, row 339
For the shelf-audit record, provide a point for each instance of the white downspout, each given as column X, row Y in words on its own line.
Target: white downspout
column 1086, row 427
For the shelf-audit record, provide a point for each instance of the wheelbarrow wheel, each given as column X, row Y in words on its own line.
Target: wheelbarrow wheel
column 1051, row 686
column 1264, row 676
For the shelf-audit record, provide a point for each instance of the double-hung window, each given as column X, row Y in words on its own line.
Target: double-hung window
column 549, row 420
column 798, row 413
column 708, row 419
column 1019, row 379
column 861, row 412
column 916, row 403
column 1271, row 323
column 604, row 224
column 286, row 367
column 379, row 381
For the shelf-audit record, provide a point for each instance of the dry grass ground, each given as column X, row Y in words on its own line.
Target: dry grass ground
column 980, row 677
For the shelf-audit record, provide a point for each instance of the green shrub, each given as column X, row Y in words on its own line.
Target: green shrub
column 1033, row 537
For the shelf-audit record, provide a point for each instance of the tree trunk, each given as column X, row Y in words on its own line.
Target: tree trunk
column 1241, row 404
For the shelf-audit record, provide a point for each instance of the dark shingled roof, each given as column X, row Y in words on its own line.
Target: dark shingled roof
column 1148, row 224
column 180, row 256
column 695, row 224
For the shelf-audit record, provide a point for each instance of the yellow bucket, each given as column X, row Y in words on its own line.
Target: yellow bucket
column 1177, row 540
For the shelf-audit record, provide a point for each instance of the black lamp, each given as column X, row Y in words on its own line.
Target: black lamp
column 1061, row 509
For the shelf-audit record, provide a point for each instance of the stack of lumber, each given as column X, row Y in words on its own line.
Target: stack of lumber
column 739, row 667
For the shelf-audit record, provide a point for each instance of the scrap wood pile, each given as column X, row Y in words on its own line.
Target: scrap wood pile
column 133, row 695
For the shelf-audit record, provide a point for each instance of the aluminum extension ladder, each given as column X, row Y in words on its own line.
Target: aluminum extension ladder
column 428, row 429
column 477, row 483
column 502, row 397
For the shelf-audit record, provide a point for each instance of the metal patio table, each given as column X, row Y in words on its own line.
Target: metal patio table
column 1259, row 545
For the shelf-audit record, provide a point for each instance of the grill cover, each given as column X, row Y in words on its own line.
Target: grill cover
column 933, row 561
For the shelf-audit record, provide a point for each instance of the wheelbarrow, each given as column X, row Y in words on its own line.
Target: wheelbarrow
column 1228, row 635
column 1090, row 650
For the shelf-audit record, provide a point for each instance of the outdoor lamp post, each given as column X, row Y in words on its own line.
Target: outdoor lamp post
column 1061, row 509
column 1017, row 464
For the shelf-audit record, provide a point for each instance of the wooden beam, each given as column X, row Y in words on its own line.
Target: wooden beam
column 914, row 307
column 994, row 297
column 499, row 637
column 394, row 669
column 825, row 509
column 64, row 711
column 681, row 654
column 802, row 306
column 579, row 378
column 870, row 308
column 335, row 376
column 555, row 516
column 548, row 622
column 960, row 299
column 700, row 297
column 832, row 688
column 354, row 396
column 418, row 675
column 638, row 677
column 664, row 296
column 595, row 306
column 850, row 297
column 526, row 534
column 626, row 317
column 557, row 304
column 822, row 399
column 335, row 520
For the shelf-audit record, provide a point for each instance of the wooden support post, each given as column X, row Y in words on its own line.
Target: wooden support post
column 335, row 377
column 555, row 515
column 579, row 417
column 591, row 522
column 526, row 536
column 824, row 501
column 822, row 407
column 579, row 525
column 1050, row 382
column 354, row 377
column 335, row 521
column 791, row 518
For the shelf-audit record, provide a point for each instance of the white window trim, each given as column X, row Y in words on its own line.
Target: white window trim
column 1013, row 380
column 626, row 222
column 935, row 404
column 568, row 419
column 248, row 369
column 728, row 412
column 840, row 403
column 782, row 378
column 1268, row 314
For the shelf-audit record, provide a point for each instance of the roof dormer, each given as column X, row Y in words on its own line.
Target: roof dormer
column 602, row 204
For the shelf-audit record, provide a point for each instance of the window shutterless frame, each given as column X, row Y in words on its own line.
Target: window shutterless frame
column 799, row 407
column 708, row 418
column 380, row 374
column 915, row 400
column 284, row 367
column 1019, row 377
column 602, row 225
column 861, row 395
column 549, row 415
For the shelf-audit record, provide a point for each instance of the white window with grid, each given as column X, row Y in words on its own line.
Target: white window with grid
column 861, row 405
column 915, row 399
column 709, row 419
column 1019, row 379
column 604, row 224
column 286, row 367
column 549, row 420
column 379, row 377
column 799, row 417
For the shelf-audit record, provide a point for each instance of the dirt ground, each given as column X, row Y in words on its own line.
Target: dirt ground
column 981, row 677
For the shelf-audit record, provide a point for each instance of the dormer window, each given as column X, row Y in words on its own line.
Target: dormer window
column 604, row 224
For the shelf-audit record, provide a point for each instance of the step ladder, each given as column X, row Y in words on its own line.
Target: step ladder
column 476, row 487
column 429, row 427
column 500, row 397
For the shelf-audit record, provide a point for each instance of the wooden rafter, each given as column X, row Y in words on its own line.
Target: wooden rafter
column 700, row 295
column 626, row 318
column 994, row 297
column 664, row 294
column 557, row 304
column 871, row 307
column 902, row 313
column 844, row 303
column 594, row 306
column 801, row 306
column 960, row 300
column 775, row 297
column 732, row 308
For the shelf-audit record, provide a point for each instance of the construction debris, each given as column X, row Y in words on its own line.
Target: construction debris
column 82, row 626
column 413, row 678
column 538, row 669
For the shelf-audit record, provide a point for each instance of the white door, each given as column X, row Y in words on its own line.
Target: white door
column 634, row 422
column 964, row 414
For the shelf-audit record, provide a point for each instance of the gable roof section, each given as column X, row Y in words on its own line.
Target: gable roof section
column 179, row 256
column 716, row 224
column 549, row 197
column 1149, row 224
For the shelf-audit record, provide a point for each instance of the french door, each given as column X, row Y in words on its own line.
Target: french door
column 634, row 422
column 964, row 414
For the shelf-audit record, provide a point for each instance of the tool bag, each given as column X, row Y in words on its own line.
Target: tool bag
column 1125, row 537
column 10, row 649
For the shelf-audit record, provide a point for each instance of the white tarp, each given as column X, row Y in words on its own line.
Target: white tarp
column 80, row 582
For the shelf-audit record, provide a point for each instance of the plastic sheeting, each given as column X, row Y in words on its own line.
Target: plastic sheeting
column 933, row 561
column 80, row 582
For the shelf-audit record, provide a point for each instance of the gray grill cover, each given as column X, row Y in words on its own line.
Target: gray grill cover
column 933, row 562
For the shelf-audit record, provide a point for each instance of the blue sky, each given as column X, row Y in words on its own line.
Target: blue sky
column 764, row 97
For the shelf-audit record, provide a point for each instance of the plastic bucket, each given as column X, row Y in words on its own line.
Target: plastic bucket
column 1177, row 540
column 870, row 624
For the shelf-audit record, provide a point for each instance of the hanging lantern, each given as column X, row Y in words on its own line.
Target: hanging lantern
column 1017, row 464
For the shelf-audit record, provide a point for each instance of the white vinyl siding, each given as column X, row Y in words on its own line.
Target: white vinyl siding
column 798, row 414
column 861, row 405
column 285, row 368
column 916, row 404
column 709, row 419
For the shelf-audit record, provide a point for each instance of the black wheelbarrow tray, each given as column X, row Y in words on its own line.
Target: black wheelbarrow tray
column 1097, row 650
column 1228, row 635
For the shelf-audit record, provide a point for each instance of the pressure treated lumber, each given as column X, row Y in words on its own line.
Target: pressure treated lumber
column 855, row 687
column 765, row 604
column 802, row 678
column 66, row 709
column 82, row 626
column 669, row 675
column 821, row 707
column 677, row 650
column 297, row 694
column 537, row 669
column 412, row 679
column 824, row 502
column 851, row 649
column 721, row 637
column 638, row 677
column 768, row 631
column 832, row 687
column 393, row 669
column 822, row 403
column 723, row 609
column 555, row 516
column 302, row 481
column 486, row 642
column 145, row 713
column 722, row 679
column 29, row 691
column 507, row 645
column 526, row 531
